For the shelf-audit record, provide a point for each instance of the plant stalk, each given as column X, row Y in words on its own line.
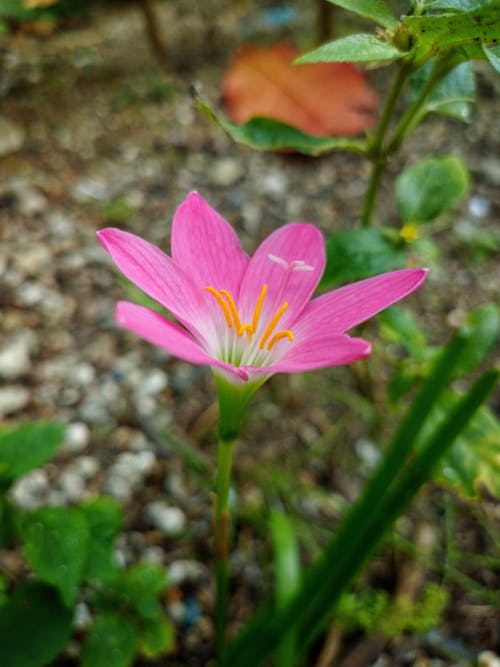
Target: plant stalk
column 376, row 151
column 409, row 118
column 221, row 529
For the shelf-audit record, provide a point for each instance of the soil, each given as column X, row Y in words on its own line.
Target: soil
column 110, row 136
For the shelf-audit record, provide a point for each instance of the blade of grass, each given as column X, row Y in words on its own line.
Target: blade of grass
column 286, row 577
column 344, row 556
column 394, row 502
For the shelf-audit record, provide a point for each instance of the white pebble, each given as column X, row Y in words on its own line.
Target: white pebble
column 83, row 374
column 77, row 437
column 12, row 399
column 479, row 206
column 86, row 466
column 15, row 356
column 186, row 570
column 83, row 617
column 72, row 485
column 30, row 491
column 488, row 659
column 169, row 520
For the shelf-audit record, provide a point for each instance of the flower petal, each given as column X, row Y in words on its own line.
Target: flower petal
column 323, row 352
column 206, row 246
column 160, row 331
column 343, row 308
column 156, row 274
column 295, row 242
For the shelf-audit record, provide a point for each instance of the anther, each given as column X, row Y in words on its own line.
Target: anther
column 222, row 304
column 278, row 336
column 258, row 308
column 272, row 325
column 233, row 309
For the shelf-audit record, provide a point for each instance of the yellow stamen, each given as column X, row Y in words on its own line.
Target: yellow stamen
column 248, row 329
column 234, row 311
column 278, row 336
column 258, row 308
column 272, row 325
column 222, row 304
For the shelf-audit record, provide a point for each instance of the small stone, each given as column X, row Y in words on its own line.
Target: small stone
column 72, row 485
column 186, row 570
column 479, row 206
column 31, row 293
column 86, row 466
column 30, row 201
column 83, row 374
column 82, row 618
column 226, row 171
column 176, row 610
column 488, row 659
column 145, row 405
column 32, row 260
column 145, row 462
column 119, row 487
column 77, row 437
column 60, row 225
column 30, row 491
column 274, row 183
column 87, row 189
column 128, row 472
column 154, row 554
column 368, row 452
column 154, row 382
column 169, row 520
column 490, row 167
column 15, row 355
column 12, row 399
column 12, row 136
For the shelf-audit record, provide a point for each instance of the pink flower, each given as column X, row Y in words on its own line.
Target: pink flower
column 246, row 317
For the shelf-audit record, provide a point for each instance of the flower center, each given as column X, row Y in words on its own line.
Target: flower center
column 268, row 337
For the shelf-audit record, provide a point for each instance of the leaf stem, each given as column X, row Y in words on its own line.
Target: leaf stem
column 410, row 117
column 221, row 528
column 375, row 150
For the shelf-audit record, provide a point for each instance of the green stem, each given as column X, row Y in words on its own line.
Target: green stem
column 378, row 170
column 375, row 151
column 411, row 116
column 222, row 522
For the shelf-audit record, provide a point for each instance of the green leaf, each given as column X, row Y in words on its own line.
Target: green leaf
column 14, row 9
column 360, row 48
column 142, row 585
column 287, row 578
column 353, row 254
column 473, row 463
column 376, row 10
column 34, row 626
column 8, row 522
column 435, row 34
column 457, row 5
column 111, row 642
column 56, row 543
column 399, row 325
column 157, row 637
column 104, row 518
column 429, row 187
column 25, row 447
column 481, row 330
column 452, row 96
column 286, row 557
column 493, row 55
column 266, row 134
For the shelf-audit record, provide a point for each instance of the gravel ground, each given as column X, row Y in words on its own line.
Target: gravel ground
column 93, row 133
